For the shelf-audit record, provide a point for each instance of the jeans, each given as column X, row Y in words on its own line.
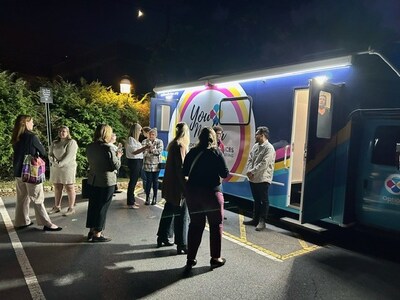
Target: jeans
column 261, row 201
column 152, row 181
column 179, row 215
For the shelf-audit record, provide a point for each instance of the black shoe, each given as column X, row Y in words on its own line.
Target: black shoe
column 154, row 202
column 251, row 222
column 90, row 236
column 45, row 228
column 100, row 239
column 147, row 200
column 216, row 263
column 117, row 192
column 190, row 263
column 165, row 242
column 24, row 226
column 181, row 250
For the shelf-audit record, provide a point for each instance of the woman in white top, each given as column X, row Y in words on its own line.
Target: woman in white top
column 134, row 155
column 62, row 156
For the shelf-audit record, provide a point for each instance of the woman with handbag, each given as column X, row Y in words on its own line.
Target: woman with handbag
column 62, row 156
column 151, row 160
column 173, row 190
column 204, row 166
column 25, row 142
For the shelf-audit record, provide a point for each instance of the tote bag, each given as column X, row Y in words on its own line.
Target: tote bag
column 33, row 169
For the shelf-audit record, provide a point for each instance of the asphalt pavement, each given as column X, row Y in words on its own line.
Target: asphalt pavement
column 274, row 264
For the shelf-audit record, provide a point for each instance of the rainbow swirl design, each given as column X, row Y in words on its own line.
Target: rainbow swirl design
column 237, row 138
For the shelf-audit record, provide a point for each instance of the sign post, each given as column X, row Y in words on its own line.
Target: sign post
column 46, row 97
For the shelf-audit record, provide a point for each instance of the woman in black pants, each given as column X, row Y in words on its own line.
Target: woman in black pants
column 103, row 162
column 204, row 166
column 134, row 154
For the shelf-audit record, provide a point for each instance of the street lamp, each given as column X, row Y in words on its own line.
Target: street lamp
column 125, row 85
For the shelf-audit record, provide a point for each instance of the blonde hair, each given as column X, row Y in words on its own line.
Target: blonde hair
column 68, row 133
column 182, row 135
column 135, row 130
column 19, row 127
column 103, row 133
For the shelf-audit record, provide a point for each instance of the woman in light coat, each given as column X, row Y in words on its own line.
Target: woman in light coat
column 62, row 156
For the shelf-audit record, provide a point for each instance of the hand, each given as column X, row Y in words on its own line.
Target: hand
column 250, row 175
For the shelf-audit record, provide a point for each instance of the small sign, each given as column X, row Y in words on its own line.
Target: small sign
column 46, row 95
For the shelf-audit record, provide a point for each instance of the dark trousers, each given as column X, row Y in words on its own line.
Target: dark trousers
column 179, row 215
column 152, row 181
column 99, row 202
column 261, row 202
column 135, row 168
column 205, row 203
column 144, row 179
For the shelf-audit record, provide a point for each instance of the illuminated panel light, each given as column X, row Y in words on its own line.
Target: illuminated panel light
column 321, row 79
column 321, row 65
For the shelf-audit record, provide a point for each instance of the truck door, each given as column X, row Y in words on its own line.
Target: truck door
column 319, row 154
column 378, row 176
column 161, row 111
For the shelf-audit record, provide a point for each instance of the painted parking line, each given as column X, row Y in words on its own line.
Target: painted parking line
column 26, row 268
column 305, row 248
column 242, row 240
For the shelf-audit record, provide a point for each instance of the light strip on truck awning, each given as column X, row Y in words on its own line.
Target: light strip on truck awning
column 315, row 66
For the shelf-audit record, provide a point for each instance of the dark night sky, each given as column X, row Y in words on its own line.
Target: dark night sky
column 191, row 39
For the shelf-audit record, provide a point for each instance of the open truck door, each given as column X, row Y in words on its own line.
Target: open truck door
column 319, row 153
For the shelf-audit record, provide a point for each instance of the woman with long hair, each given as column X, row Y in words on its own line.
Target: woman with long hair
column 103, row 162
column 62, row 156
column 173, row 191
column 24, row 142
column 134, row 154
column 204, row 166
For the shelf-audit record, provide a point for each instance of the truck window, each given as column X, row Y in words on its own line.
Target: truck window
column 163, row 116
column 324, row 120
column 235, row 111
column 384, row 145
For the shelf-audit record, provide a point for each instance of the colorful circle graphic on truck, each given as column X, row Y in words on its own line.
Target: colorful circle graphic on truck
column 392, row 184
column 200, row 107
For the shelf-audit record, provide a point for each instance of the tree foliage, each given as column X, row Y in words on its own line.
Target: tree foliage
column 80, row 107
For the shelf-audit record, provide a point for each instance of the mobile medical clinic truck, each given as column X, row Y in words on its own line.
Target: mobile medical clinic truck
column 342, row 168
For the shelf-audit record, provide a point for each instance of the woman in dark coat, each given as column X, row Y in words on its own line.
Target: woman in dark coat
column 24, row 141
column 204, row 166
column 103, row 162
column 173, row 190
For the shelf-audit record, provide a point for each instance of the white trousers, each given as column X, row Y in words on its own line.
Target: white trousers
column 27, row 193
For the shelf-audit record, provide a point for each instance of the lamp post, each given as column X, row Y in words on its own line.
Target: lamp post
column 125, row 85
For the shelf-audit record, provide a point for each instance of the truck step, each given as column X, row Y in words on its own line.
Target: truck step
column 305, row 225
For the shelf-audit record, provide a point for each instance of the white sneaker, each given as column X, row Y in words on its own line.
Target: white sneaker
column 261, row 225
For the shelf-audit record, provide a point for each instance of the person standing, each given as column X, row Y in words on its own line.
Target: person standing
column 151, row 159
column 204, row 166
column 260, row 170
column 62, row 156
column 144, row 134
column 24, row 141
column 103, row 162
column 134, row 154
column 218, row 132
column 116, row 148
column 173, row 191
